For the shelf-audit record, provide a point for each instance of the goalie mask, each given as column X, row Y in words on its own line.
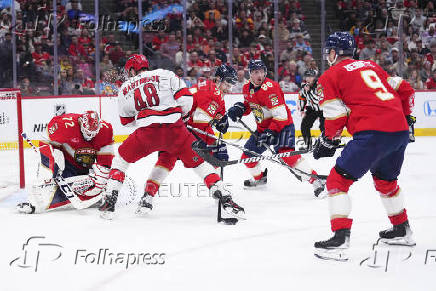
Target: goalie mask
column 89, row 124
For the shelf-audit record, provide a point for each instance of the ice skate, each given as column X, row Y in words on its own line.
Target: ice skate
column 252, row 183
column 399, row 235
column 145, row 204
column 227, row 203
column 333, row 248
column 107, row 209
column 318, row 189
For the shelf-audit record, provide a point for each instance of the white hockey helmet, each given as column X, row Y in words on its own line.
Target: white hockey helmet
column 89, row 124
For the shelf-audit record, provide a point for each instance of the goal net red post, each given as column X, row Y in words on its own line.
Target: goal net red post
column 11, row 141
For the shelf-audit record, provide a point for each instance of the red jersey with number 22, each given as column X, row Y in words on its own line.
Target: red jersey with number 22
column 357, row 95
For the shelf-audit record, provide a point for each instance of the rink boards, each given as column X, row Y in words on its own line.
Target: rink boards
column 37, row 112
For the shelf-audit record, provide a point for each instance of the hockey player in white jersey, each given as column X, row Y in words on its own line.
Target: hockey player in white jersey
column 147, row 102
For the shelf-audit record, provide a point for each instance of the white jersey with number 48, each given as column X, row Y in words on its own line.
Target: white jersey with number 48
column 149, row 98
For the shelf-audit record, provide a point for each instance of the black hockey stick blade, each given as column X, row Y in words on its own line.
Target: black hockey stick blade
column 204, row 153
column 220, row 219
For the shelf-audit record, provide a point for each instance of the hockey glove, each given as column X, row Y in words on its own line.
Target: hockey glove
column 325, row 147
column 236, row 111
column 220, row 152
column 221, row 125
column 411, row 120
column 267, row 137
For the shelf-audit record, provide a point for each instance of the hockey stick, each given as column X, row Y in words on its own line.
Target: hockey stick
column 292, row 170
column 204, row 152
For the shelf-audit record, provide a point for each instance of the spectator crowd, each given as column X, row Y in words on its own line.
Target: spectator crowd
column 373, row 23
column 377, row 25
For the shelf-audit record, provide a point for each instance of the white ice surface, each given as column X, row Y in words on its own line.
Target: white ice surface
column 272, row 250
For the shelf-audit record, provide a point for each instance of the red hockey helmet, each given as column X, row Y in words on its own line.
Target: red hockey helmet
column 136, row 62
column 89, row 124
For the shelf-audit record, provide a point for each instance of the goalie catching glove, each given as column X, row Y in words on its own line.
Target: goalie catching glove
column 325, row 147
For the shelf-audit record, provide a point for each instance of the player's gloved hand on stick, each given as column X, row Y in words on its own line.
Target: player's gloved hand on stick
column 411, row 120
column 220, row 152
column 236, row 111
column 325, row 147
column 268, row 137
column 222, row 125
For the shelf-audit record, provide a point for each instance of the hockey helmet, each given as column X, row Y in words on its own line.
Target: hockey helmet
column 256, row 65
column 137, row 62
column 89, row 124
column 226, row 73
column 342, row 42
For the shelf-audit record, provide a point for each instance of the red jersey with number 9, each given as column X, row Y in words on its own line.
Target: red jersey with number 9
column 357, row 95
column 149, row 98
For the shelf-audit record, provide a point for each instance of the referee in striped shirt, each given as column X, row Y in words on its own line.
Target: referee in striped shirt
column 308, row 101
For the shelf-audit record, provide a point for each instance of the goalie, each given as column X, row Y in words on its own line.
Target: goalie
column 79, row 152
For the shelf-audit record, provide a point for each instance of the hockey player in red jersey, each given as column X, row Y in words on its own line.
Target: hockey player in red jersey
column 275, row 127
column 80, row 149
column 360, row 96
column 147, row 101
column 202, row 106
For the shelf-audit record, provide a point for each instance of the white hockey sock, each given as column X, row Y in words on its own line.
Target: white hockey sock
column 303, row 166
column 339, row 205
column 158, row 174
column 256, row 171
column 204, row 169
column 395, row 204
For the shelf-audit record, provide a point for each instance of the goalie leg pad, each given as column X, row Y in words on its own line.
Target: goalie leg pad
column 52, row 159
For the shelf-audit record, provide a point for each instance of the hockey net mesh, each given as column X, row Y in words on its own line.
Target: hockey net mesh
column 9, row 145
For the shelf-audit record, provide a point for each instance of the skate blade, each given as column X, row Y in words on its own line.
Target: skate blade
column 321, row 195
column 331, row 254
column 238, row 215
column 108, row 215
column 399, row 241
column 229, row 221
column 255, row 187
column 142, row 211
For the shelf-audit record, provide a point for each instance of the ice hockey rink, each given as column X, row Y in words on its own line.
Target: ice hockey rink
column 271, row 250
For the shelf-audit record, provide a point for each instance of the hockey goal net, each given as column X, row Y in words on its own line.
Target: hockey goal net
column 11, row 142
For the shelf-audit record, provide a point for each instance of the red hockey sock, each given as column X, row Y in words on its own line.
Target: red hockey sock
column 151, row 187
column 399, row 218
column 341, row 223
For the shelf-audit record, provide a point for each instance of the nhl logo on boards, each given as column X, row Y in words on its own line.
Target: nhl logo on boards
column 60, row 109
